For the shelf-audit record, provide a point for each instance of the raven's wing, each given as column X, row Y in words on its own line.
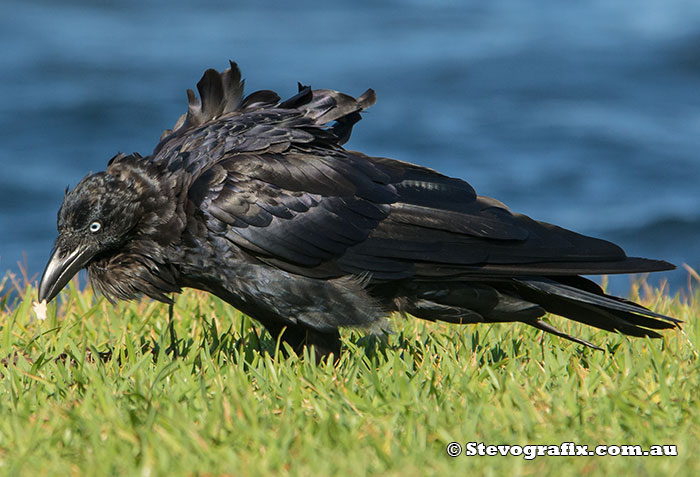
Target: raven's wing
column 320, row 211
column 274, row 179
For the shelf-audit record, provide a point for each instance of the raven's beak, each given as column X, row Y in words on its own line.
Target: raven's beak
column 60, row 269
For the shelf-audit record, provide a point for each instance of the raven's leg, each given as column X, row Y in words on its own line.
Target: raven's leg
column 299, row 336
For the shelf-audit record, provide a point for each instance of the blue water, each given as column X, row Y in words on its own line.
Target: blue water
column 585, row 114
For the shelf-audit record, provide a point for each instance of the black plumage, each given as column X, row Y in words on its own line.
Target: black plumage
column 256, row 201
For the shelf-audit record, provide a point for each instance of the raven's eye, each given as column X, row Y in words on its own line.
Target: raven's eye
column 95, row 226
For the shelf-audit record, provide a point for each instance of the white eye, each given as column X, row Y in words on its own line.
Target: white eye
column 95, row 226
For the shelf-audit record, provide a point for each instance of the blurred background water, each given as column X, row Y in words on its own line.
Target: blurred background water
column 585, row 114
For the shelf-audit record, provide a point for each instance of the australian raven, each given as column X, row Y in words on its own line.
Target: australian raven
column 255, row 200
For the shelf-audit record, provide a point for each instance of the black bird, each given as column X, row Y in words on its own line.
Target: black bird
column 255, row 200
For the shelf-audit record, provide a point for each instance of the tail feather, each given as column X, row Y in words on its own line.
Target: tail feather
column 527, row 300
column 551, row 287
column 595, row 309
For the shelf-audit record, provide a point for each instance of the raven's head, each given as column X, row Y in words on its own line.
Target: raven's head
column 97, row 216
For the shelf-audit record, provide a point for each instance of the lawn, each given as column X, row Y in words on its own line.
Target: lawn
column 99, row 389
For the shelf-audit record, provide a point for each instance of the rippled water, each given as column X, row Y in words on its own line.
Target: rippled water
column 587, row 116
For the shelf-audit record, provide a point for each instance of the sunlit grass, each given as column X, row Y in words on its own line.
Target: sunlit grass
column 101, row 389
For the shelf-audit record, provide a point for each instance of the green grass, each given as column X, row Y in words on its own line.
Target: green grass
column 99, row 389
